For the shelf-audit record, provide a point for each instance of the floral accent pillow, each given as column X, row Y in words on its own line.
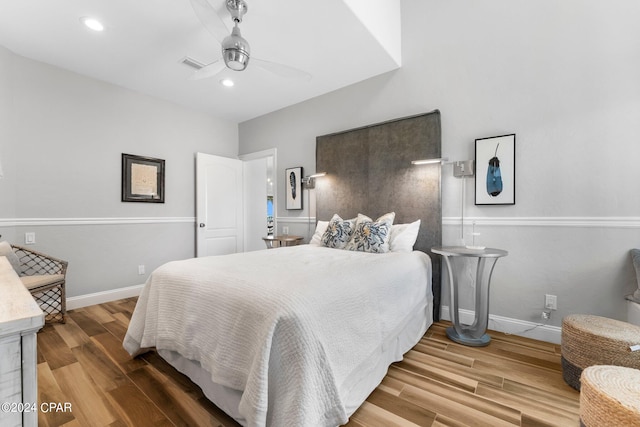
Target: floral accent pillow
column 372, row 236
column 338, row 232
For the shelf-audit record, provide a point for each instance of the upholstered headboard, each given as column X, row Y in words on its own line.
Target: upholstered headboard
column 369, row 171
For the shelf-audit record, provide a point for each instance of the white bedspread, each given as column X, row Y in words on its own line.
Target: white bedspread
column 291, row 327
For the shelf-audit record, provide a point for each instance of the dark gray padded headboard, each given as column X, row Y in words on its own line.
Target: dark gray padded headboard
column 369, row 171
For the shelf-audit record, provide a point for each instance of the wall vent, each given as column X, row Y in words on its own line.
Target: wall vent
column 190, row 62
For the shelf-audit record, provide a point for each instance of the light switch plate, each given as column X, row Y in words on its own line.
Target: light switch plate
column 29, row 238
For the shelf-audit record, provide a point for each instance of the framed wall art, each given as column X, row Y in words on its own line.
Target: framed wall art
column 293, row 184
column 142, row 179
column 496, row 170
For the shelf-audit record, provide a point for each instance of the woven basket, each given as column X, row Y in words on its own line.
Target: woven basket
column 592, row 340
column 610, row 396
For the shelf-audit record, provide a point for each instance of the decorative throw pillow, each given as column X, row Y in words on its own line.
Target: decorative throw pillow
column 372, row 236
column 404, row 236
column 338, row 232
column 316, row 239
column 6, row 250
column 635, row 255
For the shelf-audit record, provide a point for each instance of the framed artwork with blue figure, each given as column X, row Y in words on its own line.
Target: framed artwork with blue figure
column 293, row 185
column 496, row 170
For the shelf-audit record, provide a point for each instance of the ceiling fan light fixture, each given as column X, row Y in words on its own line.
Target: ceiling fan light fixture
column 237, row 9
column 236, row 60
column 236, row 50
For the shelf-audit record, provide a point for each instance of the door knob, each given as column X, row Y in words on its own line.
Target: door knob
column 202, row 225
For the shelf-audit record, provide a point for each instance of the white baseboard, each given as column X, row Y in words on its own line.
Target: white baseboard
column 507, row 325
column 523, row 328
column 102, row 297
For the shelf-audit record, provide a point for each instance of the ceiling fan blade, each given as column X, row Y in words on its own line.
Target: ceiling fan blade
column 209, row 70
column 280, row 69
column 210, row 19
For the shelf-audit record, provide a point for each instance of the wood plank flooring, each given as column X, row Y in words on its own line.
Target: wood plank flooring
column 513, row 382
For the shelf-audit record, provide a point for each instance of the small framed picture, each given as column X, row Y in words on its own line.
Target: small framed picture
column 496, row 170
column 142, row 179
column 293, row 184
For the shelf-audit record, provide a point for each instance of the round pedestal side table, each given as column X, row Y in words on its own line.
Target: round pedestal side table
column 280, row 241
column 474, row 334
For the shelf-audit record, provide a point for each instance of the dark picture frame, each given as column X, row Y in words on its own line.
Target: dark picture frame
column 142, row 179
column 293, row 186
column 496, row 170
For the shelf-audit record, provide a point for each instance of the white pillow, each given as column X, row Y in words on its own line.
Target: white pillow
column 404, row 236
column 321, row 227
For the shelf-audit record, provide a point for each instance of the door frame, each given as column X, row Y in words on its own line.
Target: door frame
column 271, row 152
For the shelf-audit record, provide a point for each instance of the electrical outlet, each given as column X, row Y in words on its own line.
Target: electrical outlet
column 285, row 230
column 141, row 269
column 546, row 314
column 30, row 238
column 550, row 302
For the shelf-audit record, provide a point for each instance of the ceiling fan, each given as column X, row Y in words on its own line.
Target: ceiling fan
column 236, row 51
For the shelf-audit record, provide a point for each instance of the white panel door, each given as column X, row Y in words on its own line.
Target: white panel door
column 219, row 205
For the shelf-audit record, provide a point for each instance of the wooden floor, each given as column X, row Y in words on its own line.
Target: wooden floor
column 512, row 382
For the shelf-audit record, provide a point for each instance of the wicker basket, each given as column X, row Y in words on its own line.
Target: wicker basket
column 610, row 396
column 50, row 296
column 592, row 340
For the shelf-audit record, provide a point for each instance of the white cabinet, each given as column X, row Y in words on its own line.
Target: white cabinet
column 20, row 320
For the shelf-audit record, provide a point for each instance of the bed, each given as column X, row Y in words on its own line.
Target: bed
column 300, row 338
column 304, row 334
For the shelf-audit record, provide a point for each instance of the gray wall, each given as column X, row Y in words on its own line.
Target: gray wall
column 61, row 142
column 5, row 108
column 562, row 76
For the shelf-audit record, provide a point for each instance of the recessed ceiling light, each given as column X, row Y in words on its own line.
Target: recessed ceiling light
column 92, row 23
column 226, row 82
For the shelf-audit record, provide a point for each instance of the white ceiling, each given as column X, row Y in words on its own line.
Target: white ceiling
column 338, row 42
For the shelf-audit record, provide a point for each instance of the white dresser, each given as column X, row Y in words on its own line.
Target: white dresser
column 20, row 320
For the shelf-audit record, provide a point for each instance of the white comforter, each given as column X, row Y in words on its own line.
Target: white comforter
column 291, row 326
